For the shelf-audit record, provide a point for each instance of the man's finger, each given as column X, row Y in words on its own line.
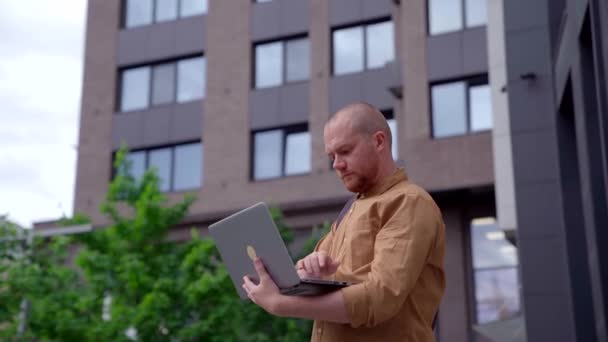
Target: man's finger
column 248, row 282
column 259, row 267
column 315, row 265
column 322, row 258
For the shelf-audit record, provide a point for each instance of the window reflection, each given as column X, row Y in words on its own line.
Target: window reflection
column 135, row 89
column 298, row 59
column 348, row 50
column 188, row 167
column 476, row 12
column 268, row 152
column 281, row 152
column 192, row 7
column 268, row 64
column 166, row 10
column 297, row 154
column 380, row 44
column 449, row 109
column 163, row 84
column 481, row 107
column 161, row 160
column 445, row 16
column 139, row 12
column 495, row 272
column 392, row 124
column 191, row 75
column 179, row 167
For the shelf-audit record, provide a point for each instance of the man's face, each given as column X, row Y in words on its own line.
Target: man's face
column 352, row 154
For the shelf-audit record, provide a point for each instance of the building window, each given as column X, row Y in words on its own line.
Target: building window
column 179, row 81
column 496, row 280
column 363, row 47
column 461, row 107
column 145, row 12
column 281, row 152
column 449, row 15
column 178, row 167
column 281, row 62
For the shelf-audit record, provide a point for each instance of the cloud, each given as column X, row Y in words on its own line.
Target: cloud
column 40, row 83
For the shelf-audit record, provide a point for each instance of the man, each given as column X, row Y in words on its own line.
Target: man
column 390, row 243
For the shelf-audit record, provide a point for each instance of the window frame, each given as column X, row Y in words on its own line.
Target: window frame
column 172, row 147
column 283, row 41
column 286, row 130
column 463, row 19
column 123, row 10
column 363, row 25
column 469, row 82
column 151, row 66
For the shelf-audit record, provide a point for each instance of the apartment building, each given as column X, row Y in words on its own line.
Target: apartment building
column 228, row 99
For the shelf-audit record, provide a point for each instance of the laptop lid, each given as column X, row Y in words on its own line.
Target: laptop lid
column 248, row 233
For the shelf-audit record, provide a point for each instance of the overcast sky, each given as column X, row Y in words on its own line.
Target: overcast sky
column 41, row 51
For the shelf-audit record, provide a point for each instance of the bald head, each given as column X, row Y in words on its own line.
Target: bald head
column 363, row 118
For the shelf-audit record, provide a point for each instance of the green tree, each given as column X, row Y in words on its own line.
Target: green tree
column 129, row 276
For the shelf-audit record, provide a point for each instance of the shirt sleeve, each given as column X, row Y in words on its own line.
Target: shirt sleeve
column 325, row 241
column 401, row 250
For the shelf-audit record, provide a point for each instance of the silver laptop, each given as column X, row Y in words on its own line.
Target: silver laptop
column 252, row 232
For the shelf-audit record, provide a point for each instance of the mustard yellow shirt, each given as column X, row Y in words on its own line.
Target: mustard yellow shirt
column 391, row 243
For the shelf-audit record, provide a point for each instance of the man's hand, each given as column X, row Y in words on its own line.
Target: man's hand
column 266, row 293
column 316, row 265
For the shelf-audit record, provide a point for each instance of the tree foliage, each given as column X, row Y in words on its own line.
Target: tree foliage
column 129, row 276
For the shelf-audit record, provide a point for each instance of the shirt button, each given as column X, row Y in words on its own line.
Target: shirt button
column 319, row 330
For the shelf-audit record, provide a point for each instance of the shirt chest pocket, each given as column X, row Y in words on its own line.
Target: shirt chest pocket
column 359, row 244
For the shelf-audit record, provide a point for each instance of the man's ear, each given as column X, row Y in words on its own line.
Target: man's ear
column 379, row 140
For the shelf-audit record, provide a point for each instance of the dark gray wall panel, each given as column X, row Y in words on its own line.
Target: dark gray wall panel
column 370, row 86
column 530, row 14
column 344, row 12
column 474, row 51
column 187, row 121
column 294, row 103
column 457, row 54
column 158, row 125
column 156, row 122
column 127, row 128
column 279, row 106
column 161, row 41
column 276, row 19
column 445, row 56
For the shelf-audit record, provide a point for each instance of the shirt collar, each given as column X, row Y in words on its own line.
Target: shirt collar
column 387, row 183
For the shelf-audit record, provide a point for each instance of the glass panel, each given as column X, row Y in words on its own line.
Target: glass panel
column 449, row 109
column 135, row 88
column 166, row 10
column 188, row 166
column 268, row 153
column 163, row 84
column 298, row 59
column 495, row 266
column 138, row 164
column 392, row 124
column 268, row 64
column 490, row 247
column 161, row 160
column 297, row 155
column 348, row 50
column 497, row 294
column 139, row 12
column 192, row 7
column 191, row 75
column 476, row 12
column 380, row 44
column 445, row 16
column 481, row 107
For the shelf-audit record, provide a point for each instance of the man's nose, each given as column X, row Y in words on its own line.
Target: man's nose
column 339, row 164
